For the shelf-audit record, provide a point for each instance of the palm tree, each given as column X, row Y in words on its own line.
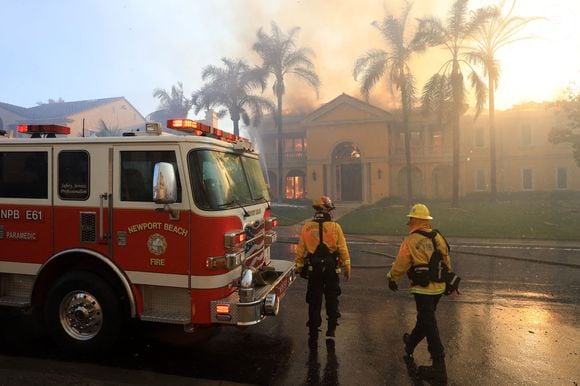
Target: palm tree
column 569, row 130
column 229, row 88
column 107, row 131
column 172, row 105
column 51, row 101
column 499, row 31
column 281, row 57
column 375, row 63
column 453, row 36
column 437, row 100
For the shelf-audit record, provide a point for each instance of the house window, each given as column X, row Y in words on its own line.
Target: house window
column 479, row 137
column 527, row 179
column 562, row 178
column 437, row 139
column 415, row 140
column 294, row 145
column 526, row 135
column 480, row 184
column 294, row 186
column 294, row 149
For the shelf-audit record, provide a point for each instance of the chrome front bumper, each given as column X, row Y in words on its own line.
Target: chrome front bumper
column 265, row 300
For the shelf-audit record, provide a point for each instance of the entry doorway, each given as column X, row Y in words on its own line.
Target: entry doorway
column 348, row 172
column 350, row 177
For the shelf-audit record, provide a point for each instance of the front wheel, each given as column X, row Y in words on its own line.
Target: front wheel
column 82, row 313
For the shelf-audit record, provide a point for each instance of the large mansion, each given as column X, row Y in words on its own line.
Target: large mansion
column 354, row 152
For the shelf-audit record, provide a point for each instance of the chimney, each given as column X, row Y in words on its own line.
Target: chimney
column 211, row 118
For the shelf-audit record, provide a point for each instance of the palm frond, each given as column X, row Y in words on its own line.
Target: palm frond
column 456, row 18
column 309, row 76
column 280, row 56
column 480, row 92
column 372, row 67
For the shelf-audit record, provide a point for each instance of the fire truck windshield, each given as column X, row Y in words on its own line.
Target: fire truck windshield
column 225, row 180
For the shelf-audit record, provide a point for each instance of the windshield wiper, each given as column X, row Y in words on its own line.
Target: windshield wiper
column 246, row 214
column 262, row 198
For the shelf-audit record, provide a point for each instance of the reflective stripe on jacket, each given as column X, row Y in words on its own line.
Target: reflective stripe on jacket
column 417, row 249
column 332, row 236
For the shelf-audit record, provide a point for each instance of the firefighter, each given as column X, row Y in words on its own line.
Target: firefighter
column 321, row 263
column 416, row 249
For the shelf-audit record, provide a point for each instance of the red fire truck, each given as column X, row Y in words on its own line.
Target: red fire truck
column 158, row 227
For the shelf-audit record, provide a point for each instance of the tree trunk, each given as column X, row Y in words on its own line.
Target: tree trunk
column 236, row 127
column 457, row 83
column 407, row 143
column 280, row 148
column 492, row 141
column 235, row 116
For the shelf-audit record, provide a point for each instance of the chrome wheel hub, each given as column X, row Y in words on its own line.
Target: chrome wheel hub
column 81, row 315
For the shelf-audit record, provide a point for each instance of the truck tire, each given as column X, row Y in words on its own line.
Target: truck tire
column 83, row 314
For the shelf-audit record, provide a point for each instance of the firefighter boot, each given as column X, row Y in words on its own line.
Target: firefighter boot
column 436, row 372
column 313, row 338
column 331, row 331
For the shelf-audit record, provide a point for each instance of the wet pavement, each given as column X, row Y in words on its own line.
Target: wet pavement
column 515, row 322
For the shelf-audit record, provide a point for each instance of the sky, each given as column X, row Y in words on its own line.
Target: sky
column 91, row 49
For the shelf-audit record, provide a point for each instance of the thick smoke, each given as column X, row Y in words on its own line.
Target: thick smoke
column 337, row 31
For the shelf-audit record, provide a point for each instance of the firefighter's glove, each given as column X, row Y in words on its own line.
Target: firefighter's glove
column 347, row 274
column 393, row 285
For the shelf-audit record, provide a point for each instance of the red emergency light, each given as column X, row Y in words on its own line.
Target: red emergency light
column 203, row 130
column 49, row 130
column 182, row 124
column 271, row 223
column 230, row 137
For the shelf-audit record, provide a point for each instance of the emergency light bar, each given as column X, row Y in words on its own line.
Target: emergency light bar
column 43, row 129
column 181, row 124
column 198, row 128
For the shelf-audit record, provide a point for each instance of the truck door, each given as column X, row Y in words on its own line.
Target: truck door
column 25, row 206
column 80, row 213
column 149, row 243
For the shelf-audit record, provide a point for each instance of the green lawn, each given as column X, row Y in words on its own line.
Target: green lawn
column 534, row 215
column 291, row 214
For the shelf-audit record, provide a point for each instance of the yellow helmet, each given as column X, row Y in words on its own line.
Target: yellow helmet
column 420, row 211
column 322, row 203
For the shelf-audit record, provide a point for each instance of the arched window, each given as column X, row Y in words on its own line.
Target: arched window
column 417, row 184
column 346, row 151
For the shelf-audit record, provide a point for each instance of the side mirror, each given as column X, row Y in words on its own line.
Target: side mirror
column 164, row 183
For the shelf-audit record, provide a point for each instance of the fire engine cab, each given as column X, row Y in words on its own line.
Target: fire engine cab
column 158, row 227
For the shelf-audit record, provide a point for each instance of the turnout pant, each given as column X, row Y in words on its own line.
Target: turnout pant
column 322, row 281
column 426, row 326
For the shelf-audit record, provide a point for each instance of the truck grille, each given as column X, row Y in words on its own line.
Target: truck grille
column 255, row 237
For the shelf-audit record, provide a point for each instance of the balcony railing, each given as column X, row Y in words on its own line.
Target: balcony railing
column 420, row 150
column 295, row 157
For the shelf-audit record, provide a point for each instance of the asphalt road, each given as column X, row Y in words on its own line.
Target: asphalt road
column 515, row 322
